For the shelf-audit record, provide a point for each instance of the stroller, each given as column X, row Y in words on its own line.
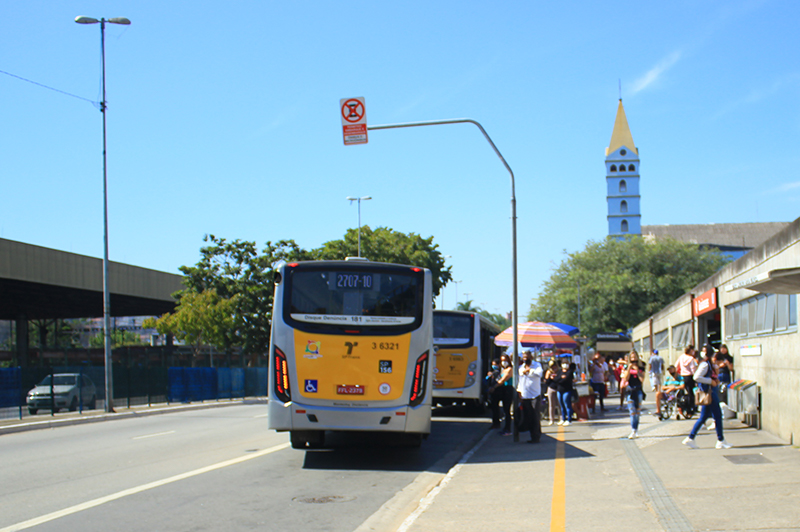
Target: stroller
column 677, row 402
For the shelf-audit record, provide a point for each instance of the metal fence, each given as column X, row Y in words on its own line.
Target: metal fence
column 133, row 386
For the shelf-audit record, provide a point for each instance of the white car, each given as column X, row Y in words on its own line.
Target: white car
column 68, row 393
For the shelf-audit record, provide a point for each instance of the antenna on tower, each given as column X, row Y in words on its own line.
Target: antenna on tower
column 620, row 89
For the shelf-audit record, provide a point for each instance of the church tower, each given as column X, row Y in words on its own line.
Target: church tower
column 622, row 178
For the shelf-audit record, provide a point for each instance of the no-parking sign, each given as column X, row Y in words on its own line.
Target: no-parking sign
column 354, row 120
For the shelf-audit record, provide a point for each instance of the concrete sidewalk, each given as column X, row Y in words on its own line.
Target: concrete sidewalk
column 601, row 480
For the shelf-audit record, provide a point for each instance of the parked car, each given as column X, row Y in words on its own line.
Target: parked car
column 70, row 389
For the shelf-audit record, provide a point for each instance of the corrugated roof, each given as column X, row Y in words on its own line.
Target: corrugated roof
column 747, row 235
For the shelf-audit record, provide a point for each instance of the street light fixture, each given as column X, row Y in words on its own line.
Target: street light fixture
column 109, row 403
column 352, row 199
column 456, row 283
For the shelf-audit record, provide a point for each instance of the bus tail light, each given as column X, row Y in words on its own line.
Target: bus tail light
column 420, row 376
column 281, row 369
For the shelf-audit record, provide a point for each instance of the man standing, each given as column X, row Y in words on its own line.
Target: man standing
column 529, row 389
column 599, row 372
column 656, row 363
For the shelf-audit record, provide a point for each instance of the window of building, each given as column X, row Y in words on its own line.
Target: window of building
column 624, row 226
column 681, row 335
column 631, row 168
column 613, row 168
column 623, row 206
column 761, row 315
column 661, row 339
column 623, row 186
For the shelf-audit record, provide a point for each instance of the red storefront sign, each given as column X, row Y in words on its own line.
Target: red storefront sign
column 705, row 302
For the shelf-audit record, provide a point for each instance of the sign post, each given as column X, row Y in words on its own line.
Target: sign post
column 354, row 120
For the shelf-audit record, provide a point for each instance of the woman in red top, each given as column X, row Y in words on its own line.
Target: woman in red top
column 633, row 376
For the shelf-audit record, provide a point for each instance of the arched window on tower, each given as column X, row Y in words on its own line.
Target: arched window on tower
column 622, row 168
column 631, row 168
column 613, row 168
column 623, row 207
column 624, row 226
column 623, row 186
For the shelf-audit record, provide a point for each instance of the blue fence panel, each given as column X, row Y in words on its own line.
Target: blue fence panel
column 11, row 387
column 255, row 382
column 224, row 383
column 237, row 382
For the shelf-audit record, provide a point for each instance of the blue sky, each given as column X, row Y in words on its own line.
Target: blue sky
column 223, row 118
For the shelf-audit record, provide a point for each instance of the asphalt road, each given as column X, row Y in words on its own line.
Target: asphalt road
column 215, row 469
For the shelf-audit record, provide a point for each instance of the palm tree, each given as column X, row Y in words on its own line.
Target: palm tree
column 467, row 306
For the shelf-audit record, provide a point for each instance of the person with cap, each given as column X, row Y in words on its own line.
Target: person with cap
column 529, row 389
column 656, row 364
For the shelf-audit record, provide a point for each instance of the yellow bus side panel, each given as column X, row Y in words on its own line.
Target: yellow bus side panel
column 375, row 364
column 452, row 367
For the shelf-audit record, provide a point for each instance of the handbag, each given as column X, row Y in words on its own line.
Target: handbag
column 703, row 398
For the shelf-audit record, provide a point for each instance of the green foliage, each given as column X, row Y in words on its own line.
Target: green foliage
column 119, row 338
column 499, row 319
column 236, row 277
column 387, row 245
column 202, row 318
column 237, row 270
column 621, row 282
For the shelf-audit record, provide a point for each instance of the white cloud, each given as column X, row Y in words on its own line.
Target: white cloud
column 652, row 75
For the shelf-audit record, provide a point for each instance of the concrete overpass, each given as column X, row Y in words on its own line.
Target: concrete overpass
column 42, row 283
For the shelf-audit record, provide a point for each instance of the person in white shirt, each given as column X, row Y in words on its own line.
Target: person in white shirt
column 530, row 390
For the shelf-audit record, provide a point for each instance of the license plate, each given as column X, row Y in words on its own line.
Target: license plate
column 350, row 389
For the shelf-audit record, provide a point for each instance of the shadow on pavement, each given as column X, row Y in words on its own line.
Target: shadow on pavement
column 386, row 451
column 509, row 451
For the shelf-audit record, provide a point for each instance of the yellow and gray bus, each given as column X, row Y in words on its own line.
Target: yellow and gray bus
column 351, row 350
column 464, row 349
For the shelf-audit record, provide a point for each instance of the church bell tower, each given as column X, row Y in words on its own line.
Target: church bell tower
column 622, row 179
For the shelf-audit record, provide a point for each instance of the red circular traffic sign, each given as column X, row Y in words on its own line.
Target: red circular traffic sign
column 353, row 110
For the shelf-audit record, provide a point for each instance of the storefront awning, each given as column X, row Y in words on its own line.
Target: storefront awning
column 781, row 281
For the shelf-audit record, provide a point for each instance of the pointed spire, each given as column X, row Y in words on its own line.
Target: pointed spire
column 621, row 136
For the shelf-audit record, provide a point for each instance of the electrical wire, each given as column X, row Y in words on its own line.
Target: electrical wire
column 93, row 102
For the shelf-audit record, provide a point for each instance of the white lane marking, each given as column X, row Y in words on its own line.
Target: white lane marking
column 428, row 499
column 153, row 435
column 138, row 489
column 261, row 415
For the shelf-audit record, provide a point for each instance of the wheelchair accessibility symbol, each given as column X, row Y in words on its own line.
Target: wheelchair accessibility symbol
column 311, row 386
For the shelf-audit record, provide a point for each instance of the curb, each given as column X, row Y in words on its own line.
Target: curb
column 24, row 426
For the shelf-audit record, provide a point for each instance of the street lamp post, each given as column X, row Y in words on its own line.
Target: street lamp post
column 109, row 403
column 456, row 283
column 352, row 199
column 514, row 309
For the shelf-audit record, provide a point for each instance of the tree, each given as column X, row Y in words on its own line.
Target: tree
column 202, row 318
column 387, row 245
column 119, row 338
column 237, row 269
column 621, row 282
column 467, row 306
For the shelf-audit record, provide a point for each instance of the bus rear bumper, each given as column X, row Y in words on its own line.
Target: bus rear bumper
column 295, row 416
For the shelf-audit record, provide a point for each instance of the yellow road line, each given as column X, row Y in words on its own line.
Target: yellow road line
column 558, row 511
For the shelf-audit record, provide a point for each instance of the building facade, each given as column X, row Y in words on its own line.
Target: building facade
column 751, row 306
column 622, row 180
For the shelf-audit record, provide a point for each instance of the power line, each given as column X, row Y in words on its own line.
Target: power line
column 95, row 103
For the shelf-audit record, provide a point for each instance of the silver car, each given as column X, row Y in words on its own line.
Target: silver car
column 69, row 389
